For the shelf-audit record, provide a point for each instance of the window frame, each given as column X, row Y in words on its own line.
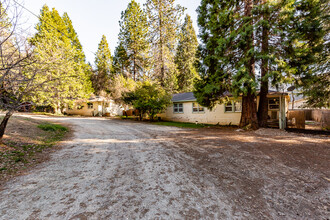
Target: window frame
column 90, row 104
column 233, row 106
column 198, row 107
column 176, row 106
column 237, row 101
column 274, row 109
column 79, row 107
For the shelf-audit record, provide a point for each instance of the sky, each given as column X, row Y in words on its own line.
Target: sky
column 92, row 19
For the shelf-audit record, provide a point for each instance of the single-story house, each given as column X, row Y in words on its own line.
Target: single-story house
column 184, row 108
column 95, row 106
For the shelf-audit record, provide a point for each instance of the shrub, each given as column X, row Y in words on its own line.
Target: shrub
column 148, row 98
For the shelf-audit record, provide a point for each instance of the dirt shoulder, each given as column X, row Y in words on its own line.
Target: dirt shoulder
column 266, row 174
column 26, row 145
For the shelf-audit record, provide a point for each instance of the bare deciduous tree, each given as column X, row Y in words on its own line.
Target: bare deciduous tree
column 18, row 72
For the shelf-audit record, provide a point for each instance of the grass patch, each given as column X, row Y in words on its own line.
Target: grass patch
column 43, row 113
column 27, row 145
column 181, row 124
column 52, row 127
column 54, row 134
column 128, row 117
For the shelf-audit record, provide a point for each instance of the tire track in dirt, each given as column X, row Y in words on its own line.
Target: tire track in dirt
column 114, row 169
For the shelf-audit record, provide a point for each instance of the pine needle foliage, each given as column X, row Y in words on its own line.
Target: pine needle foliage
column 133, row 38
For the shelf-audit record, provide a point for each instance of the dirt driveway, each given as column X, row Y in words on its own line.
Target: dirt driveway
column 114, row 169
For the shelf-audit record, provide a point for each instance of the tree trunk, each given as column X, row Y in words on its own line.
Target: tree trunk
column 162, row 68
column 263, row 101
column 3, row 124
column 249, row 111
column 58, row 109
column 134, row 69
column 249, row 105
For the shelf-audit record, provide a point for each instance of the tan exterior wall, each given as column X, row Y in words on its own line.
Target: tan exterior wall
column 85, row 111
column 109, row 107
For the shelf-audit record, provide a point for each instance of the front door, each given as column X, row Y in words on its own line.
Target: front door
column 100, row 108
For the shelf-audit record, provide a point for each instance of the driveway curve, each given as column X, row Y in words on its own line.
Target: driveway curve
column 114, row 169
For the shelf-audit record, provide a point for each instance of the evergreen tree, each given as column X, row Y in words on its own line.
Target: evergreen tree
column 80, row 65
column 133, row 37
column 227, row 53
column 55, row 55
column 103, row 62
column 316, row 32
column 282, row 38
column 317, row 91
column 290, row 44
column 120, row 61
column 186, row 57
column 73, row 36
column 164, row 21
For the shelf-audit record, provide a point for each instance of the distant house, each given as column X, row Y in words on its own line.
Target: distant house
column 26, row 107
column 184, row 108
column 95, row 106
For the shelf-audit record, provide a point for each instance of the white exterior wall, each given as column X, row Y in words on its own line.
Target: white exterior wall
column 215, row 116
column 114, row 109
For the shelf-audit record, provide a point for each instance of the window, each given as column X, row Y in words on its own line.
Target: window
column 178, row 107
column 229, row 107
column 197, row 108
column 233, row 106
column 79, row 107
column 274, row 104
column 238, row 105
column 90, row 105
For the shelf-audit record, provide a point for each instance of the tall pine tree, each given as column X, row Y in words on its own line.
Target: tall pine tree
column 120, row 63
column 80, row 64
column 133, row 37
column 289, row 35
column 103, row 61
column 185, row 58
column 164, row 21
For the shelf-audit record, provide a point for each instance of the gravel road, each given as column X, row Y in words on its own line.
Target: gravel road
column 114, row 169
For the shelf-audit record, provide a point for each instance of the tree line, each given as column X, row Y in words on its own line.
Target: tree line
column 245, row 48
column 156, row 54
column 153, row 45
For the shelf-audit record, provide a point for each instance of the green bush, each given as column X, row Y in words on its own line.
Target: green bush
column 148, row 98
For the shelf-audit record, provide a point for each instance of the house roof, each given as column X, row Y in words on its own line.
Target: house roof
column 98, row 99
column 180, row 97
column 189, row 96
